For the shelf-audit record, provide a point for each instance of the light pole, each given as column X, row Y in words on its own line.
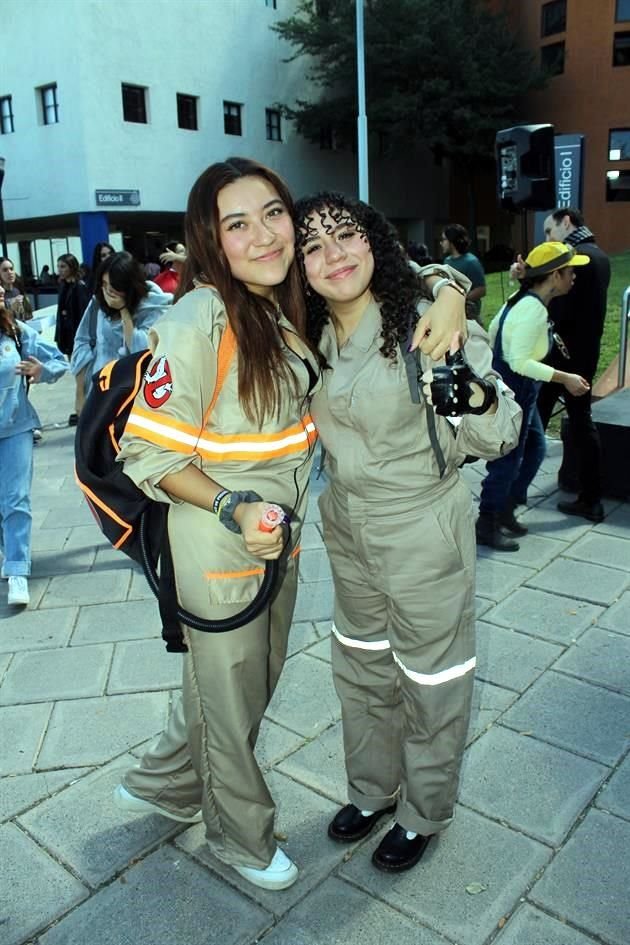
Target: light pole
column 362, row 126
column 3, row 229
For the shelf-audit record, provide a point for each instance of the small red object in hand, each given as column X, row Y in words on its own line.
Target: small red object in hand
column 271, row 517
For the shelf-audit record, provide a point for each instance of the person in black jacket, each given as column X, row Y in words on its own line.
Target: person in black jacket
column 578, row 323
column 73, row 299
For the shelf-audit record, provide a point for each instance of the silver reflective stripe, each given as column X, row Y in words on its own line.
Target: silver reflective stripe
column 435, row 679
column 360, row 644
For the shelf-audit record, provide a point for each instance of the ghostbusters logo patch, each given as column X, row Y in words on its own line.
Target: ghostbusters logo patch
column 158, row 384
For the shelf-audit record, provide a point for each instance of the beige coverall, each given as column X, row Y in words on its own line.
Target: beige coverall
column 205, row 758
column 401, row 543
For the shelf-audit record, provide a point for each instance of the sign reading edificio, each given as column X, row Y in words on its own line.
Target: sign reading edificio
column 117, row 198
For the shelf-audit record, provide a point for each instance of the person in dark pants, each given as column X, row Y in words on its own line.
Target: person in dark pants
column 578, row 320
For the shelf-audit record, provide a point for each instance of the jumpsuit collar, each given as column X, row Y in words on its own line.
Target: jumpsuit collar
column 368, row 328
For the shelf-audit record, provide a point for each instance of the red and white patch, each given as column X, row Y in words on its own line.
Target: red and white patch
column 158, row 384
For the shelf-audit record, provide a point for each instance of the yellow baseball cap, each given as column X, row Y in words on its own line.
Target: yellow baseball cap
column 551, row 256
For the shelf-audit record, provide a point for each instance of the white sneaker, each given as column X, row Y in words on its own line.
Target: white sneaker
column 280, row 874
column 18, row 592
column 138, row 805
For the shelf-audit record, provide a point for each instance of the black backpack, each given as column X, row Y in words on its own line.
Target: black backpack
column 132, row 522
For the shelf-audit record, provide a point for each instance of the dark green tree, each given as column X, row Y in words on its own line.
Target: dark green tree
column 447, row 74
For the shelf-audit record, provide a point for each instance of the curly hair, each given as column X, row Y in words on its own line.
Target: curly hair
column 395, row 285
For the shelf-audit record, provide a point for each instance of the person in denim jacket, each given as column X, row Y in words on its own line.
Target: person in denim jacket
column 24, row 359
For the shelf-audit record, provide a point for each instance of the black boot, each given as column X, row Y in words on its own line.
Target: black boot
column 508, row 520
column 489, row 533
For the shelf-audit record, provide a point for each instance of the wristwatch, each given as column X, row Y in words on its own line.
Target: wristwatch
column 228, row 507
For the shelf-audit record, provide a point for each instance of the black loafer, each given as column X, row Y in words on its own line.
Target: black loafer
column 350, row 824
column 396, row 853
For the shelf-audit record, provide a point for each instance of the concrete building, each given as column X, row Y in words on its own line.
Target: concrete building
column 111, row 108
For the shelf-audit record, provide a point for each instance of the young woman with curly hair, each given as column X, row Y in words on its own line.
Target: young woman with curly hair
column 397, row 520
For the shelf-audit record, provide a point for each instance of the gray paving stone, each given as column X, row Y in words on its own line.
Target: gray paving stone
column 339, row 914
column 534, row 551
column 111, row 559
column 48, row 675
column 614, row 796
column 319, row 765
column 139, row 589
column 5, row 659
column 93, row 731
column 83, row 828
column 34, row 890
column 586, row 719
column 37, row 587
column 310, row 537
column 86, row 536
column 599, row 901
column 617, row 522
column 305, row 700
column 69, row 515
column 495, row 579
column 98, row 588
column 48, row 539
column 21, row 791
column 314, row 602
column 545, row 520
column 509, row 659
column 488, row 703
column 314, row 566
column 275, row 743
column 600, row 657
column 482, row 604
column 617, row 617
column 41, row 630
column 549, row 616
column 601, row 549
column 590, row 582
column 321, row 651
column 75, row 561
column 305, row 634
column 303, row 817
column 110, row 623
column 529, row 926
column 312, row 510
column 22, row 728
column 197, row 909
column 143, row 666
column 472, row 850
column 533, row 786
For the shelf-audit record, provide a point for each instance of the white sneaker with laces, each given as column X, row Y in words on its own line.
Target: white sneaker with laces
column 138, row 805
column 280, row 874
column 18, row 592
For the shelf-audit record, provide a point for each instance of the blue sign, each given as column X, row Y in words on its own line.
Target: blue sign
column 568, row 158
column 117, row 198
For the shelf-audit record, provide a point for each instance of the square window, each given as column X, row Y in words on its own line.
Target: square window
column 622, row 11
column 134, row 103
column 619, row 144
column 552, row 58
column 6, row 115
column 49, row 104
column 553, row 17
column 617, row 186
column 621, row 49
column 187, row 112
column 272, row 124
column 232, row 124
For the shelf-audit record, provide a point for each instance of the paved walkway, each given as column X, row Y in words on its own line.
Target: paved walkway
column 539, row 853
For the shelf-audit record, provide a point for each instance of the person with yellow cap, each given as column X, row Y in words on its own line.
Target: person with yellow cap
column 521, row 335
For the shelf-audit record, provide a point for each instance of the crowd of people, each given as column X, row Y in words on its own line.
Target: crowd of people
column 334, row 335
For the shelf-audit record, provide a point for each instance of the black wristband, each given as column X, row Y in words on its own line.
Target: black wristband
column 217, row 499
column 226, row 512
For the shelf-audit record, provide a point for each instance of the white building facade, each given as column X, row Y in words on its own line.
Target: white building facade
column 110, row 109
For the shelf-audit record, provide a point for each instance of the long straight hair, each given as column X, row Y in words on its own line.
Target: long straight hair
column 261, row 362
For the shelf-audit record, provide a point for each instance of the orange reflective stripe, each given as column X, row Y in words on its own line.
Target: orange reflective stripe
column 227, row 350
column 136, row 386
column 223, row 575
column 296, row 551
column 105, row 375
column 101, row 505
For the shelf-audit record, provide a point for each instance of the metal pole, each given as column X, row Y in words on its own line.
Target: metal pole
column 362, row 126
column 3, row 229
column 623, row 337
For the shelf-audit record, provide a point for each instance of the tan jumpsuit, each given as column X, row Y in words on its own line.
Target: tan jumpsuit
column 401, row 542
column 205, row 758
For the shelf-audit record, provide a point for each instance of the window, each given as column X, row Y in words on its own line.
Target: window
column 552, row 58
column 621, row 49
column 553, row 17
column 272, row 124
column 50, row 105
column 6, row 115
column 232, row 118
column 617, row 186
column 134, row 103
column 619, row 144
column 622, row 11
column 187, row 111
